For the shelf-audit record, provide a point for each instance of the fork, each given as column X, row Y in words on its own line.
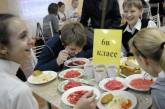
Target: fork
column 147, row 76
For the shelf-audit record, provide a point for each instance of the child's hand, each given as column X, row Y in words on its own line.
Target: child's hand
column 62, row 56
column 63, row 19
column 87, row 101
column 76, row 14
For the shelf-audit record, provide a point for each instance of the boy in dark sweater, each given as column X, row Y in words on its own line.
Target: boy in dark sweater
column 73, row 41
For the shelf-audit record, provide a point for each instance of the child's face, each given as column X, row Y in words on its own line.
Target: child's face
column 132, row 15
column 62, row 8
column 73, row 50
column 75, row 4
column 19, row 49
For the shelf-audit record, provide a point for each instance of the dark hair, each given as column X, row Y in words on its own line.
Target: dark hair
column 4, row 31
column 73, row 33
column 53, row 8
column 60, row 4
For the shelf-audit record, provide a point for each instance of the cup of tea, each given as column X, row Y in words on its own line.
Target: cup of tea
column 89, row 70
column 111, row 71
column 99, row 74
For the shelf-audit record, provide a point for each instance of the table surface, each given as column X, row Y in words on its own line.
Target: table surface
column 49, row 92
column 162, row 28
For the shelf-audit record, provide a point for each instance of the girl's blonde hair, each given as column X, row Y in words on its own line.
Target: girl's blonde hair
column 150, row 43
column 129, row 3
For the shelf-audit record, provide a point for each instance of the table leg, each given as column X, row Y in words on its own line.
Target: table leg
column 49, row 105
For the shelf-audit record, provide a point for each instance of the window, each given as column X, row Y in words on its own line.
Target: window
column 32, row 11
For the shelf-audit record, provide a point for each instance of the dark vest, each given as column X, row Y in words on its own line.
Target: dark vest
column 126, row 36
column 20, row 74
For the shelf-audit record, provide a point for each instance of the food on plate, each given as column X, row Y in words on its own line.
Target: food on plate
column 119, row 102
column 127, row 70
column 113, row 85
column 106, row 98
column 126, row 104
column 141, row 84
column 131, row 61
column 44, row 77
column 130, row 67
column 72, row 74
column 37, row 73
column 75, row 96
column 75, row 63
column 71, row 84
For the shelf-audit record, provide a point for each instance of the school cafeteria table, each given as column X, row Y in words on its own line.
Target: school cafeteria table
column 162, row 28
column 50, row 93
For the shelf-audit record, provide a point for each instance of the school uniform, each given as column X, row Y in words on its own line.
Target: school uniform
column 62, row 19
column 129, row 33
column 47, row 59
column 92, row 10
column 14, row 93
column 72, row 14
column 158, row 91
column 60, row 16
column 53, row 19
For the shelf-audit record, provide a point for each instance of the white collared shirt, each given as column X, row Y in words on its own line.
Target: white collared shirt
column 61, row 15
column 72, row 14
column 14, row 93
column 138, row 26
column 151, row 24
column 161, row 74
column 61, row 23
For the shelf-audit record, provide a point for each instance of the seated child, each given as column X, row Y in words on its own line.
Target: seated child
column 133, row 10
column 73, row 41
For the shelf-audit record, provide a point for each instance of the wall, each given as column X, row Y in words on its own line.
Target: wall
column 3, row 6
column 7, row 6
column 31, row 11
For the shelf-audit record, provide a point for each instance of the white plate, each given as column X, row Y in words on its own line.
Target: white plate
column 104, row 81
column 124, row 94
column 86, row 88
column 76, row 59
column 61, row 74
column 62, row 84
column 45, row 77
column 132, row 77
